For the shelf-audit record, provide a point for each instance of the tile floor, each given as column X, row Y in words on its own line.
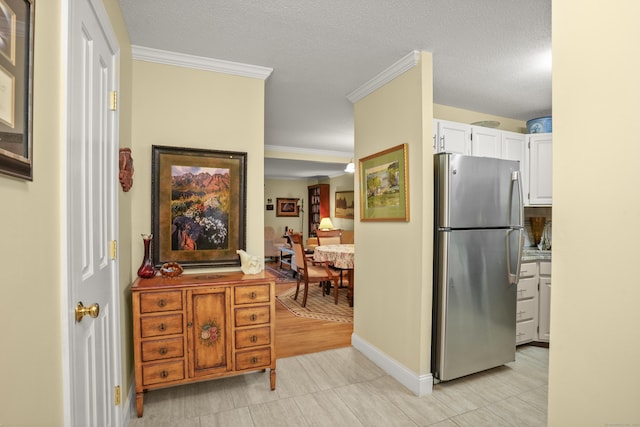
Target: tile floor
column 343, row 388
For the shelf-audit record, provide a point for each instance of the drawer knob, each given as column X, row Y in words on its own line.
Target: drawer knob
column 163, row 350
column 162, row 327
column 162, row 303
column 164, row 374
column 254, row 360
column 253, row 317
column 254, row 338
column 253, row 295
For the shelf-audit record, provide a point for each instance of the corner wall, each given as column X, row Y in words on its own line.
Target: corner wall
column 594, row 373
column 393, row 273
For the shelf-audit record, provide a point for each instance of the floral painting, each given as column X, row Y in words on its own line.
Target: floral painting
column 199, row 206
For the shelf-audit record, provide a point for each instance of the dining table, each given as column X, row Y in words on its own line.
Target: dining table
column 341, row 257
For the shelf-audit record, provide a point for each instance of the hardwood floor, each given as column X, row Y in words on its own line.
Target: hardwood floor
column 298, row 335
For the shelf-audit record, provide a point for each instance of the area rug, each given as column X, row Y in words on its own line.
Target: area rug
column 281, row 275
column 318, row 307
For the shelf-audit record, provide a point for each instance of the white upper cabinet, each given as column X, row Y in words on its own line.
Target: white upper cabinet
column 540, row 168
column 486, row 142
column 514, row 147
column 451, row 137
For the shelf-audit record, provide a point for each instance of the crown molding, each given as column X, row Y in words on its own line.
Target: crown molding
column 148, row 54
column 404, row 64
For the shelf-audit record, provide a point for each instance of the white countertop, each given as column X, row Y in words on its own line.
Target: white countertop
column 534, row 254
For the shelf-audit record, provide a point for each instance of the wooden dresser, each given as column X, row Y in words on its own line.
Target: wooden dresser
column 202, row 326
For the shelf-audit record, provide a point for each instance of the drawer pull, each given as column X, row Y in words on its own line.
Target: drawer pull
column 190, row 324
column 164, row 374
column 162, row 327
column 254, row 338
column 253, row 317
column 254, row 360
column 162, row 303
column 253, row 295
column 163, row 350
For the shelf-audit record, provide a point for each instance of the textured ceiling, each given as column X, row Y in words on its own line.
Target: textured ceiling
column 491, row 56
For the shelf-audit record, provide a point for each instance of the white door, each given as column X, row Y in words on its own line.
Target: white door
column 91, row 207
column 540, row 169
column 514, row 147
column 453, row 137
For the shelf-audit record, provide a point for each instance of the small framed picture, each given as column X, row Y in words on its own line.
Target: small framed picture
column 287, row 207
column 344, row 204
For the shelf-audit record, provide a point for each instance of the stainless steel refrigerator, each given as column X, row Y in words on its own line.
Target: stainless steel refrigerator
column 477, row 252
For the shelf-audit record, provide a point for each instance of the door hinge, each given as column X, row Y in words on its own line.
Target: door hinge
column 113, row 99
column 116, row 397
column 113, row 249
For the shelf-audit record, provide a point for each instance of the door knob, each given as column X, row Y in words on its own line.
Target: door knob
column 93, row 310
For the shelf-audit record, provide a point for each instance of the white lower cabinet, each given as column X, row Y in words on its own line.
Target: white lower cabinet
column 527, row 305
column 545, row 302
column 533, row 302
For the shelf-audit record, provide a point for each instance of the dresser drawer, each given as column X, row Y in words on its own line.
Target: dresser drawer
column 162, row 372
column 528, row 269
column 160, row 301
column 527, row 288
column 526, row 310
column 253, row 337
column 252, row 359
column 252, row 315
column 162, row 349
column 152, row 326
column 251, row 294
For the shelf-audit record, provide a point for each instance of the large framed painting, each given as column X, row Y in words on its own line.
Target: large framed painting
column 198, row 210
column 344, row 206
column 384, row 187
column 16, row 88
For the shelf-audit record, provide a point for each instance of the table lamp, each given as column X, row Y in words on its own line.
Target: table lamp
column 325, row 224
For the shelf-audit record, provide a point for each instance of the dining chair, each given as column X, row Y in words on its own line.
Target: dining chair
column 311, row 271
column 328, row 237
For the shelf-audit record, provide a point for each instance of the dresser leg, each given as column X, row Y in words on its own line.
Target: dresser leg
column 272, row 378
column 139, row 403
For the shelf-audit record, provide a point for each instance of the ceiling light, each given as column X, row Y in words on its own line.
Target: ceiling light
column 351, row 167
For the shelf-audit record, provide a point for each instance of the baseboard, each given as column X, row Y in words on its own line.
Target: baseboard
column 420, row 385
column 128, row 409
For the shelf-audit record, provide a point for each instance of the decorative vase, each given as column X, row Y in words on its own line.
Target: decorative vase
column 147, row 270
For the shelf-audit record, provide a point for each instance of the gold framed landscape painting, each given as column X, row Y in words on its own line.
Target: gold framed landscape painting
column 198, row 206
column 384, row 186
column 344, row 206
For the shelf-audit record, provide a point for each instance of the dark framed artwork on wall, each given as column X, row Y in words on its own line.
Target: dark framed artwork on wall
column 384, row 188
column 16, row 88
column 287, row 207
column 198, row 206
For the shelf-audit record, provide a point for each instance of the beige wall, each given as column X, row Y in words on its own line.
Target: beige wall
column 460, row 115
column 594, row 374
column 393, row 305
column 285, row 188
column 31, row 337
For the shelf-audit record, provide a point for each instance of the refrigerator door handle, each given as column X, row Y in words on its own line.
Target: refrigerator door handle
column 515, row 180
column 514, row 278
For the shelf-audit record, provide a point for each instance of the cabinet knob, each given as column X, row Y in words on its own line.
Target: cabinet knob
column 162, row 303
column 254, row 338
column 253, row 295
column 162, row 327
column 164, row 374
column 189, row 324
column 163, row 350
column 254, row 360
column 253, row 317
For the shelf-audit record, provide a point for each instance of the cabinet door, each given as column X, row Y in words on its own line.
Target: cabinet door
column 545, row 309
column 486, row 142
column 540, row 169
column 209, row 337
column 514, row 148
column 453, row 137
